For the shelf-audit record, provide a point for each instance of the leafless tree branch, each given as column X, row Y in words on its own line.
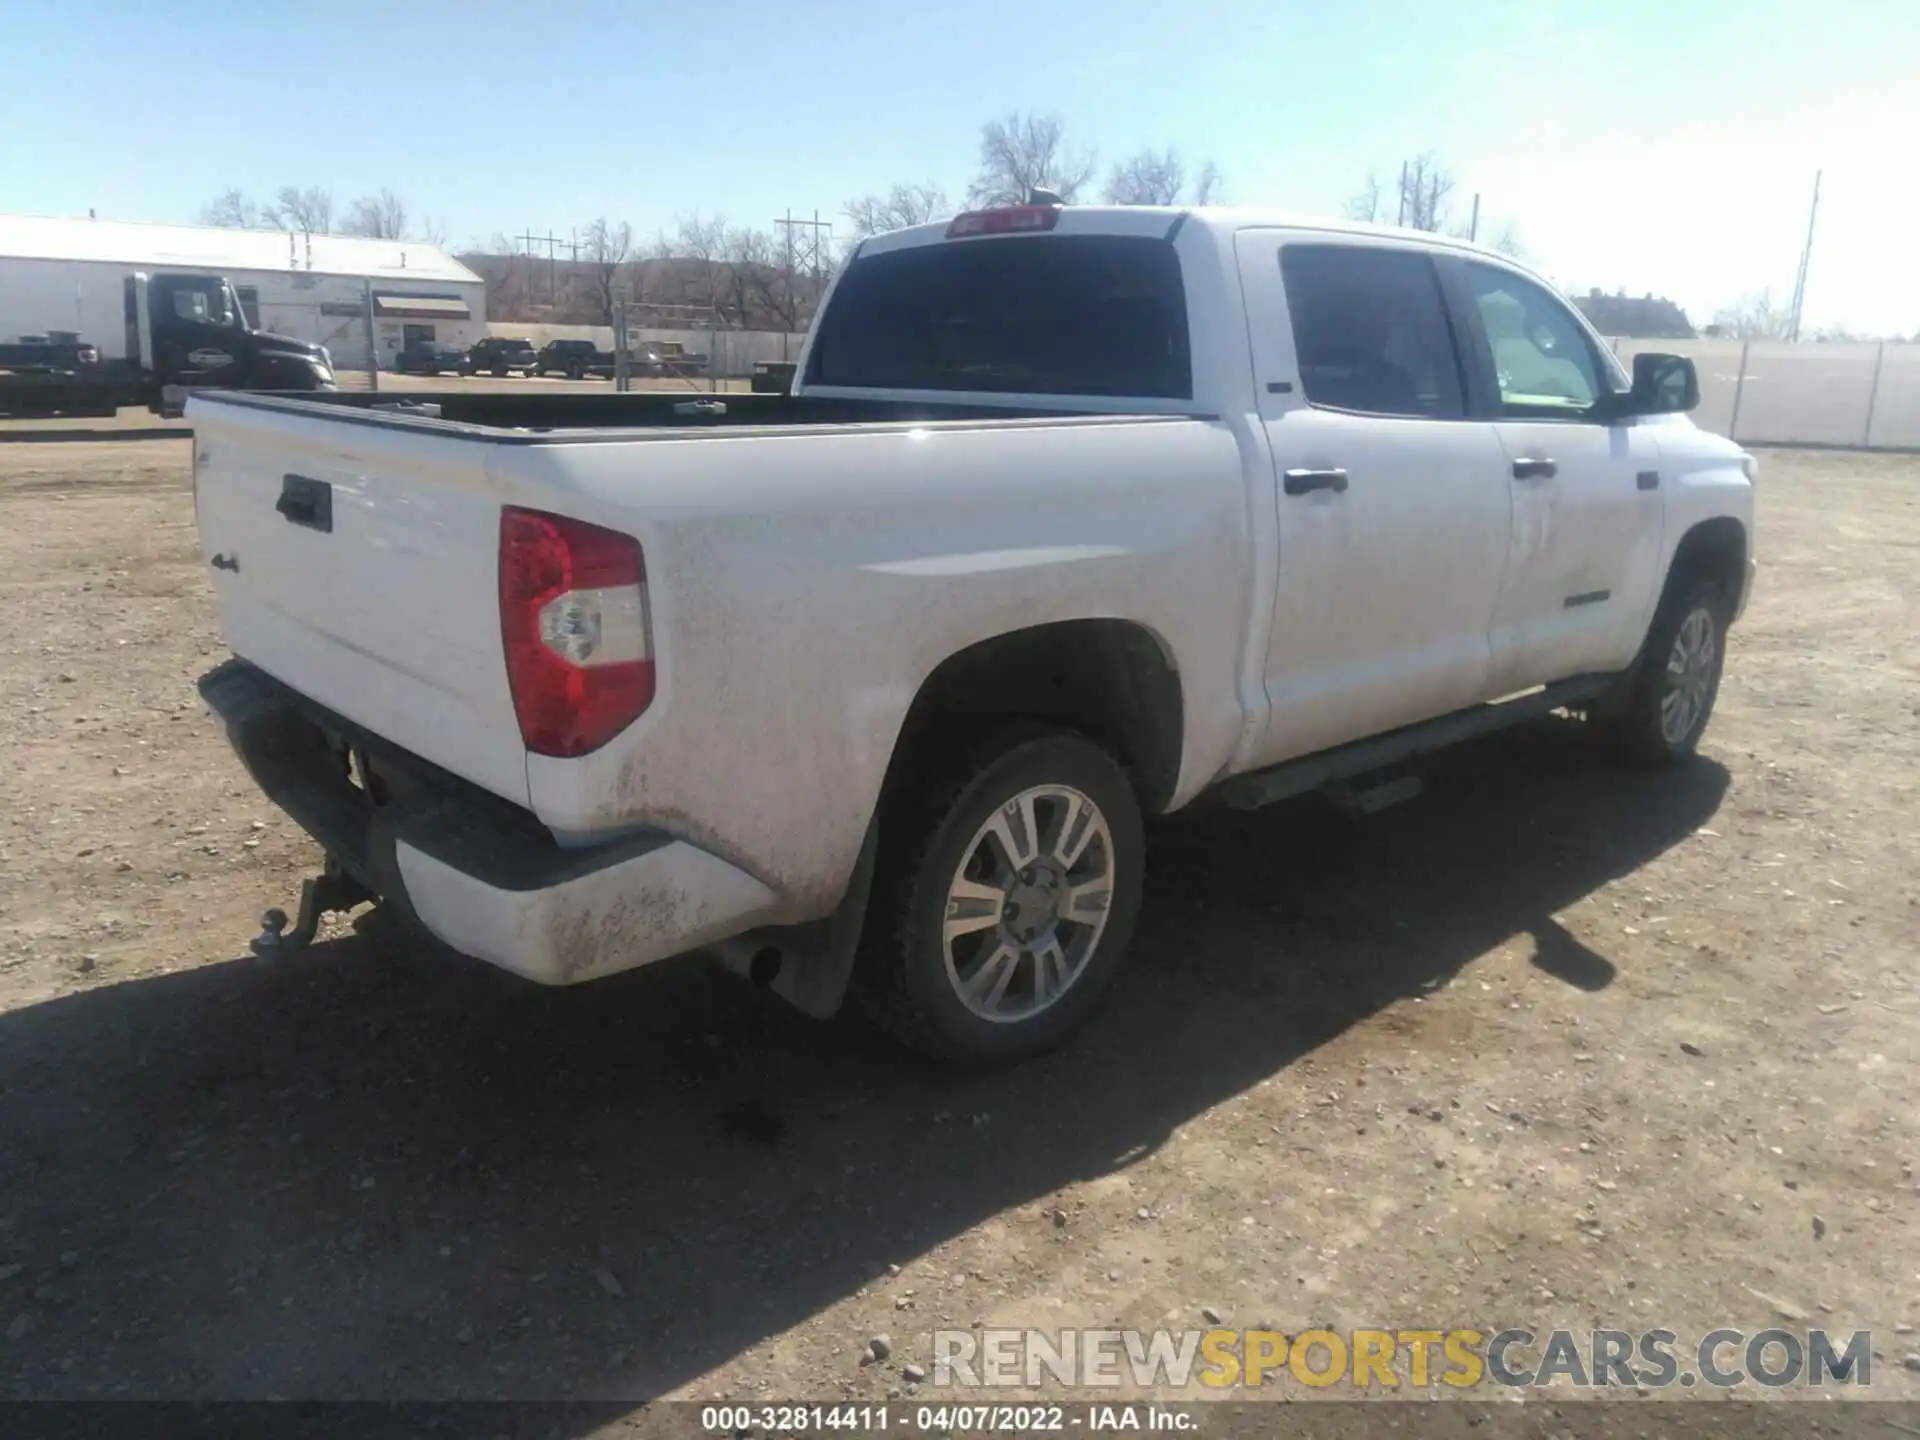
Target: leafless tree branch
column 1022, row 151
column 1755, row 317
column 309, row 211
column 1159, row 177
column 900, row 207
column 377, row 217
column 232, row 210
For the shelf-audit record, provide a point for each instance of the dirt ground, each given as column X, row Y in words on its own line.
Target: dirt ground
column 1557, row 1043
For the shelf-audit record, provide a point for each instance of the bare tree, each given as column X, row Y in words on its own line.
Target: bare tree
column 1365, row 203
column 1208, row 185
column 1159, row 178
column 1506, row 240
column 900, row 207
column 1152, row 177
column 605, row 251
column 378, row 217
column 1023, row 151
column 1422, row 202
column 233, row 211
column 700, row 245
column 1426, row 190
column 1755, row 317
column 433, row 232
column 309, row 211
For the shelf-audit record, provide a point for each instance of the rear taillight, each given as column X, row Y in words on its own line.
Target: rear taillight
column 573, row 616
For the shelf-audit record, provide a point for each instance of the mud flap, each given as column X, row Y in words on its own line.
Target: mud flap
column 814, row 961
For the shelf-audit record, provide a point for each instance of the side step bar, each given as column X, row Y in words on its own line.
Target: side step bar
column 1313, row 772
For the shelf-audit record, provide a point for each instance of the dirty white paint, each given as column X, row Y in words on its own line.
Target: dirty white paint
column 803, row 584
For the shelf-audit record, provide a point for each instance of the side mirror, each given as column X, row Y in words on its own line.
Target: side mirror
column 1663, row 385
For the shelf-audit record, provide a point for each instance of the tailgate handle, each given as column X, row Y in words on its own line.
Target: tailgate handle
column 306, row 502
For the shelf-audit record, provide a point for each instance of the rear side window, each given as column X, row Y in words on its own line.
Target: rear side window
column 1037, row 314
column 1371, row 331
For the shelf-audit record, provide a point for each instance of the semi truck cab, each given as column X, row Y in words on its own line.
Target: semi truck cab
column 190, row 332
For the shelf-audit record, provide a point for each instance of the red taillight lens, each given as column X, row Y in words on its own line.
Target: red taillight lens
column 573, row 617
column 1007, row 220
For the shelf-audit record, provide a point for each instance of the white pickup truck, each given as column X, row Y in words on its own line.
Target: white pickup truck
column 1072, row 516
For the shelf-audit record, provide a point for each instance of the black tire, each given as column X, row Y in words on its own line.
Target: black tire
column 1639, row 728
column 902, row 981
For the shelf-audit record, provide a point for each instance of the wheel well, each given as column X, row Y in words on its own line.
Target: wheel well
column 1109, row 679
column 1714, row 550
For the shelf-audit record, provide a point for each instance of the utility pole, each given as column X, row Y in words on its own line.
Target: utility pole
column 807, row 245
column 1403, row 194
column 1473, row 225
column 554, row 245
column 1806, row 255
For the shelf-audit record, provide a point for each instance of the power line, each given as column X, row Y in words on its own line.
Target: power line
column 811, row 253
column 554, row 245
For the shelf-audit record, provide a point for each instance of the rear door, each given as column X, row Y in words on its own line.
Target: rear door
column 1393, row 504
column 1581, row 573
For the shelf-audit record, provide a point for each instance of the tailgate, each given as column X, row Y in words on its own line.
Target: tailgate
column 359, row 564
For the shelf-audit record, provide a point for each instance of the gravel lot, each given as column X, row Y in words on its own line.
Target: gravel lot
column 1556, row 1044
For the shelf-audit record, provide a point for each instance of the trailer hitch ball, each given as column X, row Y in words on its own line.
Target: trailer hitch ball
column 334, row 890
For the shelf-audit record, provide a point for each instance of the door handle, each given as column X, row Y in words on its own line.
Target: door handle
column 1534, row 469
column 1648, row 479
column 307, row 503
column 1305, row 482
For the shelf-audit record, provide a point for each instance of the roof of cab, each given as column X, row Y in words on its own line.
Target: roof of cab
column 1164, row 219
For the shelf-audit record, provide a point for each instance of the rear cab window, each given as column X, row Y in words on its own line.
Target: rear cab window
column 1071, row 315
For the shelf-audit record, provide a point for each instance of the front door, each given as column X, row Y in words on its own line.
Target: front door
column 1393, row 505
column 197, row 339
column 1580, row 579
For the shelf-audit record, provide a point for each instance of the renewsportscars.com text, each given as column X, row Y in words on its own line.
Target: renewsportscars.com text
column 1457, row 1358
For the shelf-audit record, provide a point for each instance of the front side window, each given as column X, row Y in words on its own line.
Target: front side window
column 200, row 306
column 1543, row 364
column 1370, row 331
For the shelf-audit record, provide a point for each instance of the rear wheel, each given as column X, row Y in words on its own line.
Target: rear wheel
column 1005, row 899
column 1678, row 678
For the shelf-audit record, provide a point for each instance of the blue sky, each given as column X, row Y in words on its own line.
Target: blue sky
column 1650, row 145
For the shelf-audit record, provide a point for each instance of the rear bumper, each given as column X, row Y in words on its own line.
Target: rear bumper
column 477, row 873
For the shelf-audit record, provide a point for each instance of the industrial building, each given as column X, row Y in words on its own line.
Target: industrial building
column 66, row 275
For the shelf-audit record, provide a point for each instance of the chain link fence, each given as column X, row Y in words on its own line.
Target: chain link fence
column 1777, row 392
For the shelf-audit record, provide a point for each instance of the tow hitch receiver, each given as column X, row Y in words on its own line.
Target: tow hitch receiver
column 333, row 890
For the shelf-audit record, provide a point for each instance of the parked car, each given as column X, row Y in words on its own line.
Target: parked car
column 429, row 357
column 674, row 359
column 1071, row 517
column 498, row 355
column 576, row 359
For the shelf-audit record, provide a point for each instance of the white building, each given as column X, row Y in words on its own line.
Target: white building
column 58, row 274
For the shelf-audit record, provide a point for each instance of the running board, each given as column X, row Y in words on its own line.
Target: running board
column 1312, row 772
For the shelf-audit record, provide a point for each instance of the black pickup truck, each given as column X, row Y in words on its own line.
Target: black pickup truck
column 576, row 359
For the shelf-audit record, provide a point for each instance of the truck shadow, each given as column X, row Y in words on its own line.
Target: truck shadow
column 377, row 1172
